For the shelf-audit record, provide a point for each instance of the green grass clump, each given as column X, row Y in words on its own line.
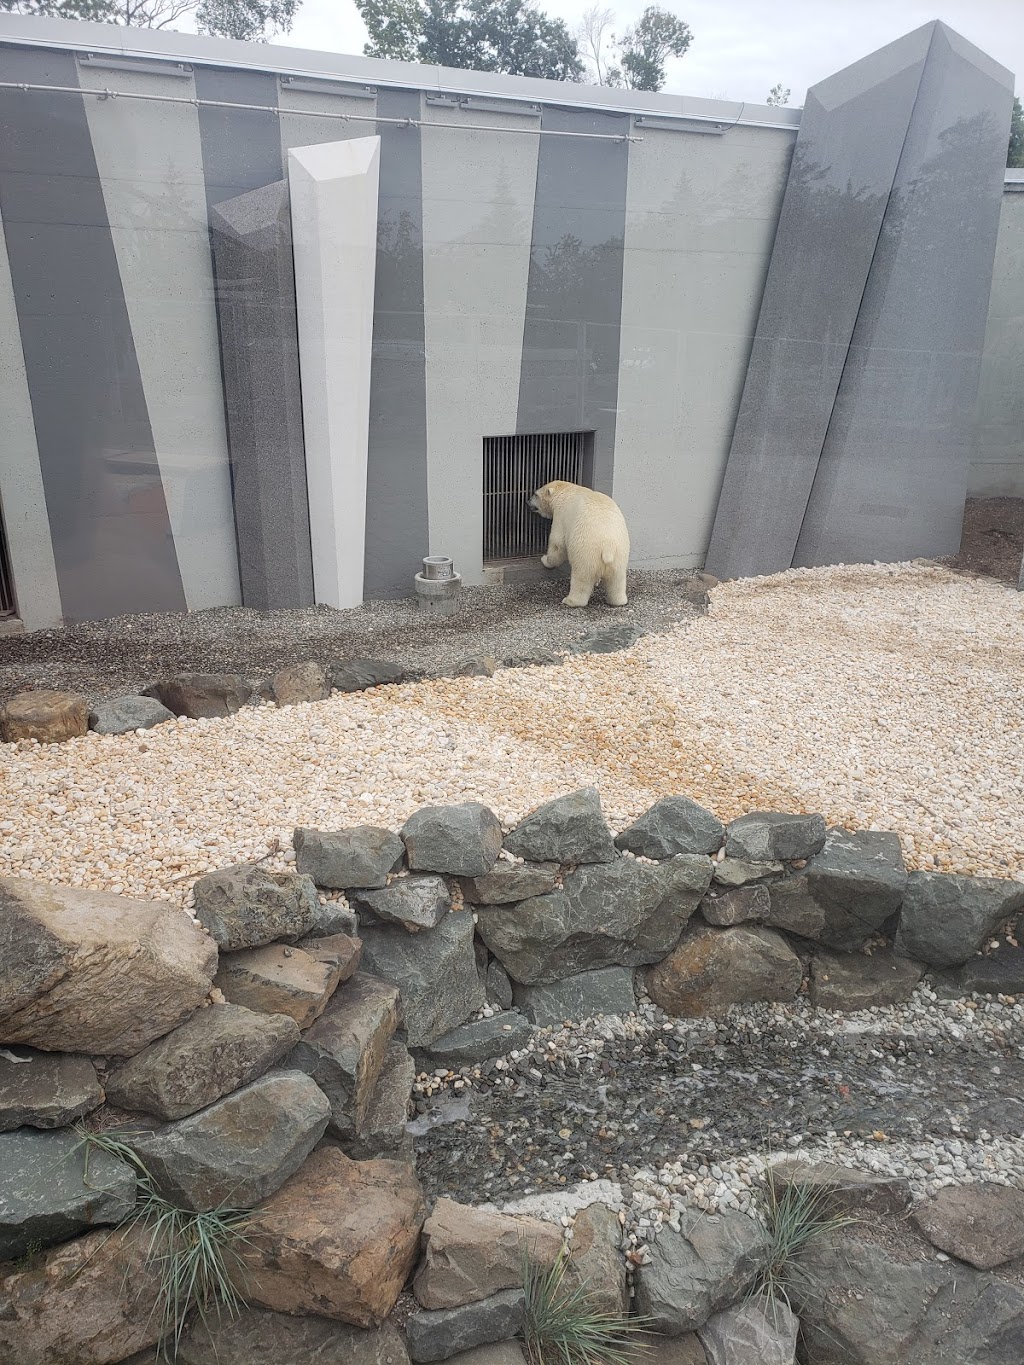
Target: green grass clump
column 564, row 1328
column 794, row 1214
column 197, row 1256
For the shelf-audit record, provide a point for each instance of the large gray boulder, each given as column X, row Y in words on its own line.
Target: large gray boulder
column 768, row 836
column 437, row 1335
column 299, row 683
column 88, row 972
column 854, row 981
column 480, row 1040
column 52, row 1187
column 122, row 715
column 245, row 906
column 276, row 979
column 342, row 859
column 946, row 918
column 210, row 1159
column 202, row 695
column 982, row 1224
column 754, row 1332
column 862, row 1303
column 584, row 996
column 738, row 905
column 462, row 841
column 255, row 1336
column 215, row 1052
column 507, row 883
column 570, row 829
column 996, row 973
column 346, row 1049
column 706, row 1267
column 356, row 675
column 712, row 969
column 414, row 903
column 619, row 914
column 435, row 971
column 470, row 1254
column 857, row 882
column 675, row 824
column 382, row 1132
column 45, row 1089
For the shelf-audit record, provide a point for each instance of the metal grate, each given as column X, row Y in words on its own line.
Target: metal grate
column 514, row 468
column 7, row 603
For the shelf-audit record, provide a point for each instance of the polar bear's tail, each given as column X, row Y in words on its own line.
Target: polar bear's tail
column 607, row 556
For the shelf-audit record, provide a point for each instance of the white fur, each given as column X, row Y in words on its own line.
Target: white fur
column 588, row 529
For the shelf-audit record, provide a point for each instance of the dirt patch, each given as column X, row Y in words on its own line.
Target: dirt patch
column 517, row 621
column 993, row 539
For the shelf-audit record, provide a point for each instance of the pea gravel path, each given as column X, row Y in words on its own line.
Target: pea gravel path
column 881, row 696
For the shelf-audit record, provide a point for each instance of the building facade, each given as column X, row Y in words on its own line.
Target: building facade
column 274, row 324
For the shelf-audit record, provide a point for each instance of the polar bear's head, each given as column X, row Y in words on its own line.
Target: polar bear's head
column 543, row 501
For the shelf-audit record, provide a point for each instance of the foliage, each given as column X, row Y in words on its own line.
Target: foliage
column 1015, row 151
column 778, row 94
column 795, row 1214
column 656, row 36
column 637, row 58
column 509, row 36
column 562, row 1326
column 197, row 1256
column 248, row 19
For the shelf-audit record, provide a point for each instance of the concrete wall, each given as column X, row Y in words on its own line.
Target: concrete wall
column 526, row 281
column 997, row 468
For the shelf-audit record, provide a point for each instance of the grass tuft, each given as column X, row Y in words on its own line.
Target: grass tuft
column 564, row 1328
column 795, row 1214
column 197, row 1256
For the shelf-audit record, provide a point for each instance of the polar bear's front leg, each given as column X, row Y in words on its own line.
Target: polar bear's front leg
column 555, row 554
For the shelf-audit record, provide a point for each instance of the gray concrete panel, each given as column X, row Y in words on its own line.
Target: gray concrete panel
column 397, row 534
column 151, row 172
column 892, row 477
column 250, row 231
column 22, row 499
column 570, row 367
column 851, row 136
column 478, row 190
column 700, row 221
column 997, row 466
column 112, row 541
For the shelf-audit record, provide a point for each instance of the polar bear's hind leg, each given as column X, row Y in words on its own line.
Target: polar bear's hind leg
column 615, row 584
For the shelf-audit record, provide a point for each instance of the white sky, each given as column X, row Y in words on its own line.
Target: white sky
column 741, row 48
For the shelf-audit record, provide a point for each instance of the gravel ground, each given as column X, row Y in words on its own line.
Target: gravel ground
column 883, row 697
column 993, row 539
column 929, row 1090
column 104, row 658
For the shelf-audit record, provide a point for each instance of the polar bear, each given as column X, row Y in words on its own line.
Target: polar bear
column 588, row 528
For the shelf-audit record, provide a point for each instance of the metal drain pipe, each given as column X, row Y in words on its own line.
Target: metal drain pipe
column 438, row 586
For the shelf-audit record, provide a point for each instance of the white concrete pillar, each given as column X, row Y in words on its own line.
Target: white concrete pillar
column 334, row 238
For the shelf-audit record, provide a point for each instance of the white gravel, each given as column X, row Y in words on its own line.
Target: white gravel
column 886, row 697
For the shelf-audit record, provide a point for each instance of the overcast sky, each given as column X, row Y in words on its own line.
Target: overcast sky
column 741, row 48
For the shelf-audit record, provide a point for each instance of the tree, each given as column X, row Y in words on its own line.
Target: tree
column 656, row 36
column 248, row 19
column 597, row 43
column 510, row 36
column 637, row 59
column 1015, row 151
column 778, row 95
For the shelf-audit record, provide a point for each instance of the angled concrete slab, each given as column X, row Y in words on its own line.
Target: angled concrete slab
column 251, row 236
column 892, row 478
column 844, row 163
column 334, row 238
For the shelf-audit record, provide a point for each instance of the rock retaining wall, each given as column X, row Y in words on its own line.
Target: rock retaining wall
column 260, row 1056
